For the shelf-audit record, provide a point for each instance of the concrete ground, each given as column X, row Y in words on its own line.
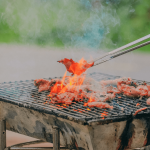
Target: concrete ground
column 31, row 62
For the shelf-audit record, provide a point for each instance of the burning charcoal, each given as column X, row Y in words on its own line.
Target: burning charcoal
column 111, row 82
column 148, row 101
column 34, row 92
column 109, row 97
column 100, row 105
column 43, row 85
column 148, row 86
column 75, row 89
column 139, row 110
column 133, row 84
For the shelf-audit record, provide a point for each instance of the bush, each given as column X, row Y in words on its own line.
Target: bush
column 106, row 24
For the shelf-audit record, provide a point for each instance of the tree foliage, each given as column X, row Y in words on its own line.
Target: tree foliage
column 96, row 24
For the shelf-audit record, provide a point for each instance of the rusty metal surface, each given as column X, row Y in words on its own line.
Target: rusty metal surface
column 56, row 138
column 120, row 130
column 40, row 125
column 2, row 134
column 20, row 146
column 142, row 148
column 133, row 133
column 39, row 148
column 28, row 143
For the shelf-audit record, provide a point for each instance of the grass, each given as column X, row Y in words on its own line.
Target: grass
column 8, row 35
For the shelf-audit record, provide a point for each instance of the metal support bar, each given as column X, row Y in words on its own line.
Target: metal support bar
column 37, row 148
column 2, row 134
column 56, row 142
column 28, row 143
column 56, row 138
column 142, row 148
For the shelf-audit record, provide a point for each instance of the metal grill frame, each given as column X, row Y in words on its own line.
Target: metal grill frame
column 89, row 123
column 86, row 118
column 56, row 144
column 56, row 141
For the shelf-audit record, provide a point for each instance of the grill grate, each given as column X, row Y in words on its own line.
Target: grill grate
column 25, row 94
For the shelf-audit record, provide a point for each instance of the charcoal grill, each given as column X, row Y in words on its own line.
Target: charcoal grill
column 26, row 111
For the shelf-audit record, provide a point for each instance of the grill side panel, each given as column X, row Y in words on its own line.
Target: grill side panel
column 107, row 136
column 129, row 134
column 140, row 130
column 24, row 93
column 113, row 136
column 39, row 125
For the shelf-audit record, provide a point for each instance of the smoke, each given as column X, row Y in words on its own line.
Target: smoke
column 93, row 31
column 76, row 23
column 88, row 27
column 33, row 20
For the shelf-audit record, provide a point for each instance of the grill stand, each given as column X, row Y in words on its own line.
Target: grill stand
column 56, row 138
column 56, row 141
column 2, row 134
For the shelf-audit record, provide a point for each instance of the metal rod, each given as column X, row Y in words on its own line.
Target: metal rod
column 56, row 138
column 28, row 143
column 131, row 49
column 38, row 148
column 124, row 52
column 2, row 134
column 102, row 61
column 123, row 47
column 130, row 44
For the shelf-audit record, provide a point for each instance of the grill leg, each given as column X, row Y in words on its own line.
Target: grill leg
column 2, row 134
column 56, row 138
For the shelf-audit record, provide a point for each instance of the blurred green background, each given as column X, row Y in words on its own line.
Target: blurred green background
column 96, row 24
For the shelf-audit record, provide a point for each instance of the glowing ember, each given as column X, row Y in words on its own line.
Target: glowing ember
column 104, row 114
column 128, row 87
column 74, row 67
column 42, row 84
column 148, row 101
column 68, row 91
column 78, row 88
column 137, row 104
column 85, row 104
column 100, row 105
column 73, row 89
column 139, row 110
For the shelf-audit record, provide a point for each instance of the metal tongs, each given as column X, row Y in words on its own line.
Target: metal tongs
column 115, row 53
